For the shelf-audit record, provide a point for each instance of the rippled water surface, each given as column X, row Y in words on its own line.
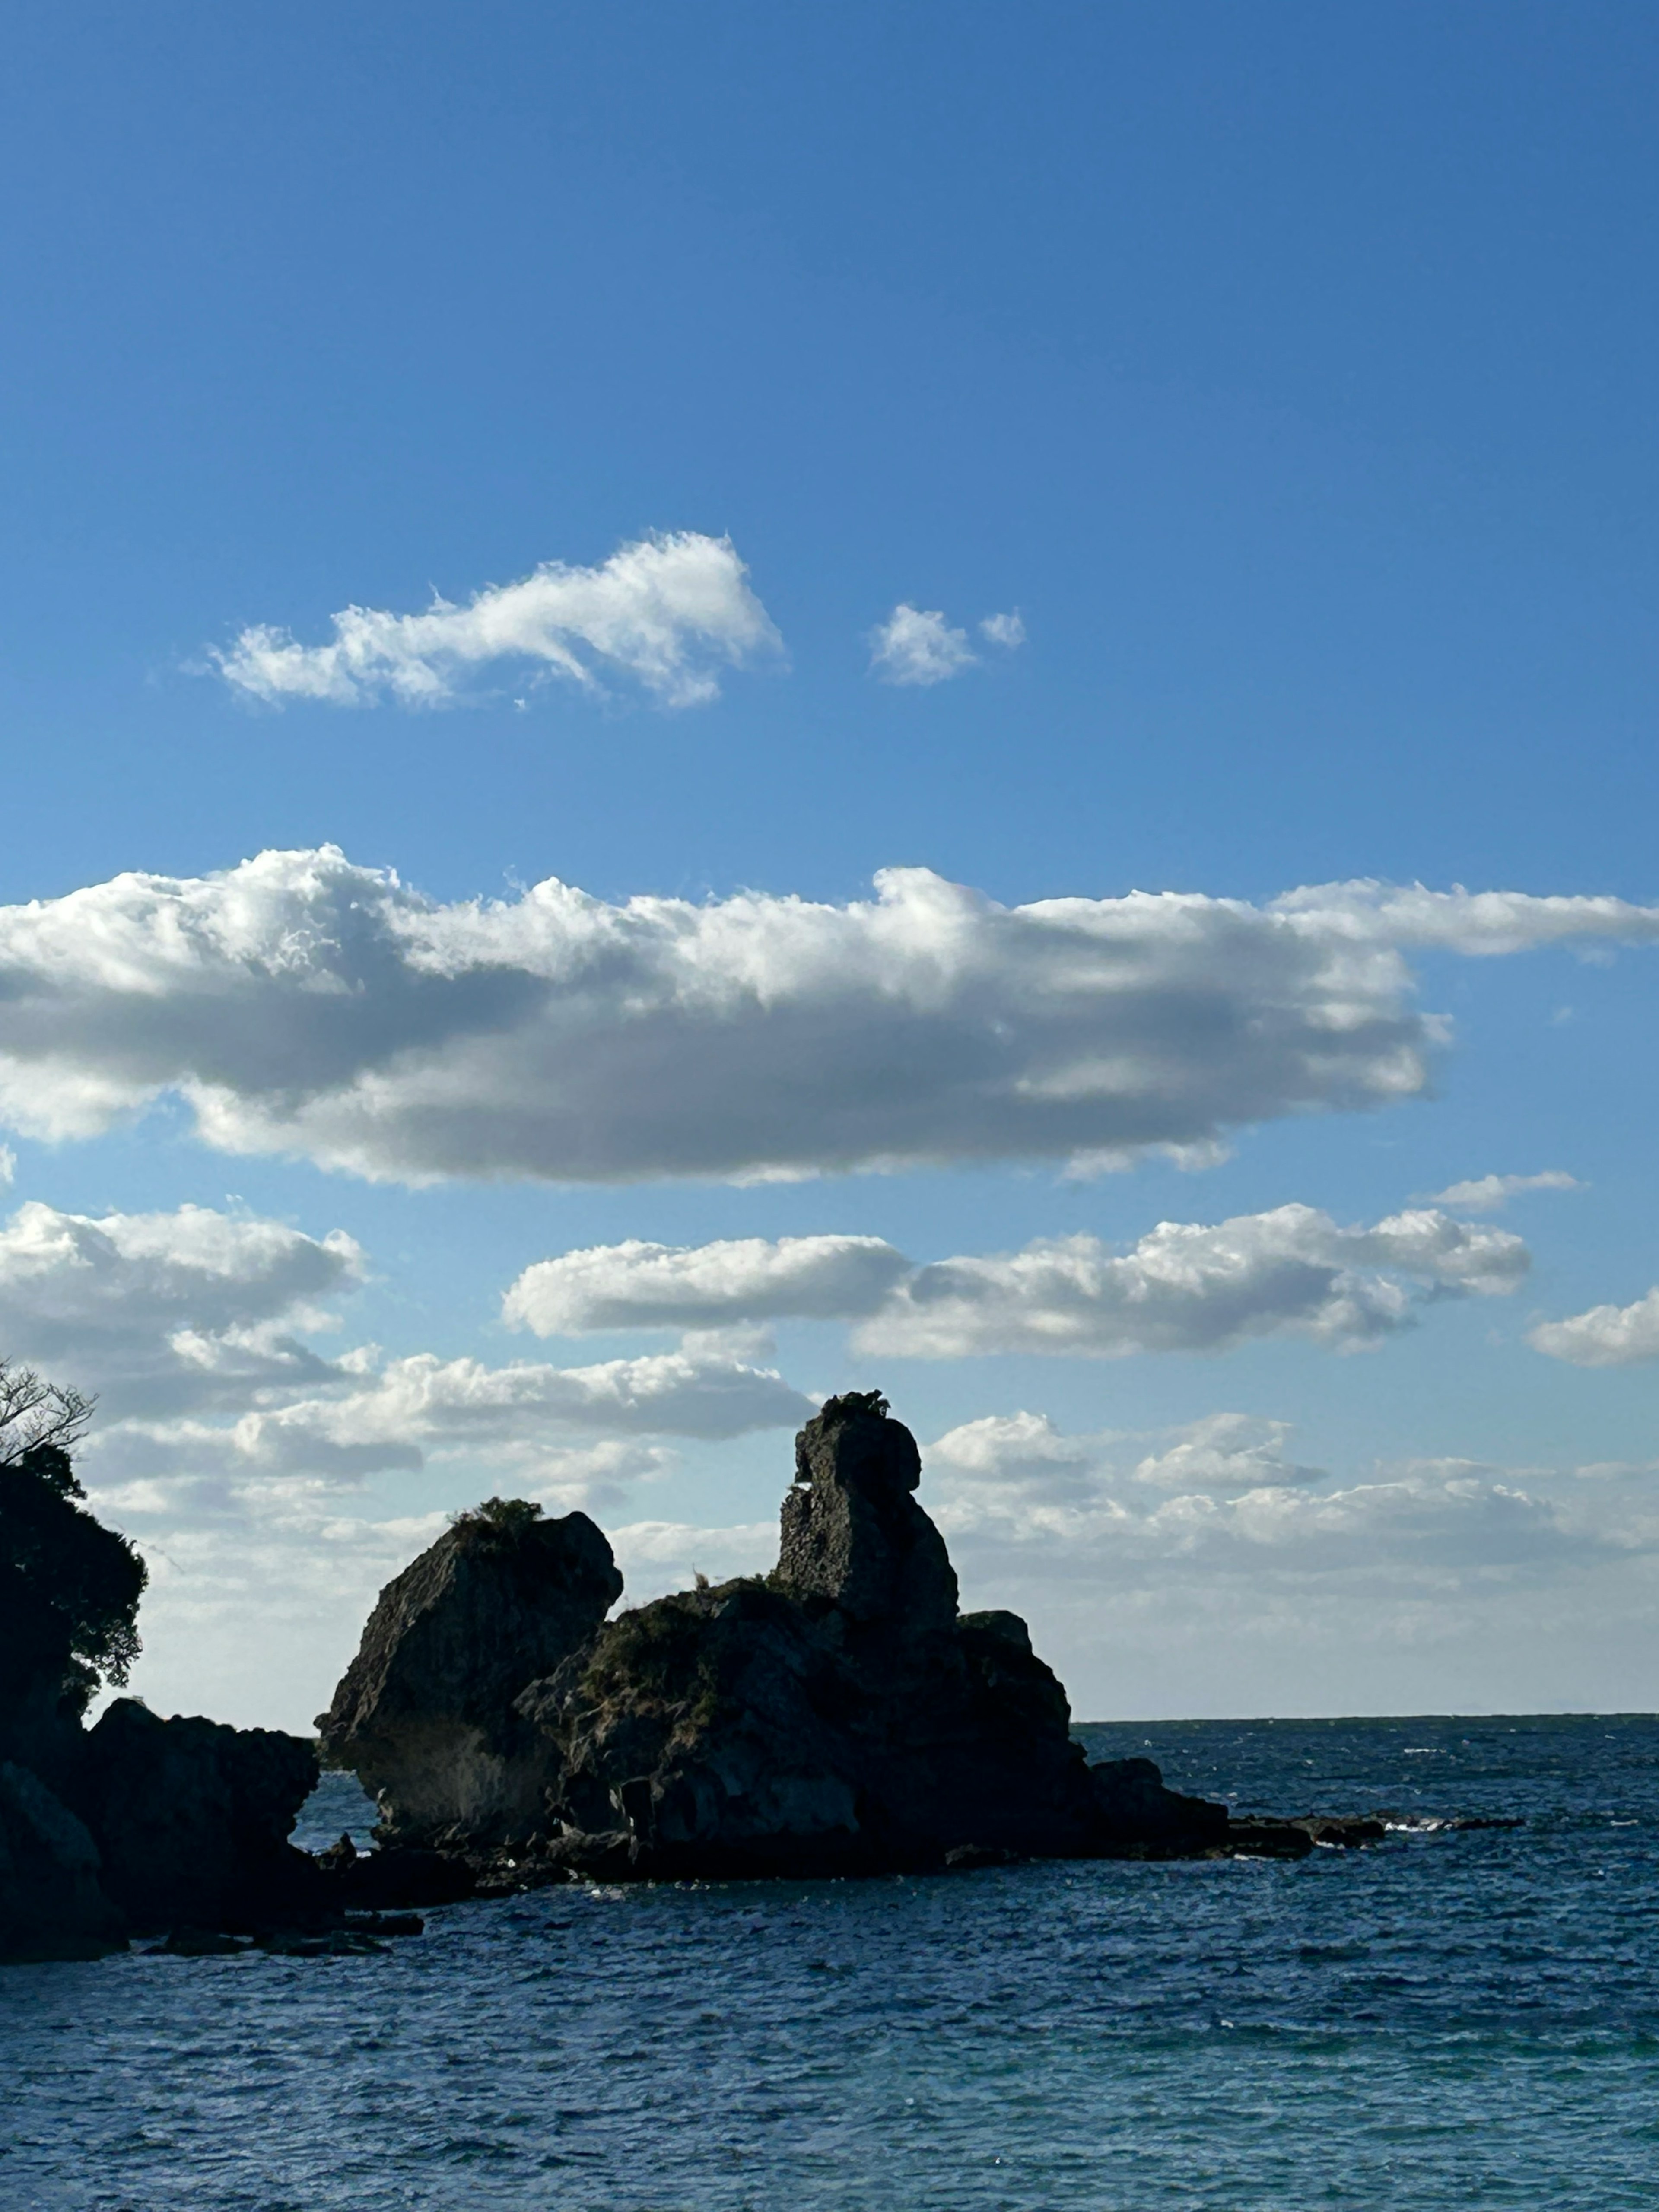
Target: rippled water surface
column 1458, row 2018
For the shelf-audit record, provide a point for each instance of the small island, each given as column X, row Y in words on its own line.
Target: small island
column 838, row 1716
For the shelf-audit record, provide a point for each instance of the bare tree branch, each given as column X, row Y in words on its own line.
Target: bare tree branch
column 34, row 1412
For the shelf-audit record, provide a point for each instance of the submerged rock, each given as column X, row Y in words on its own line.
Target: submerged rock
column 836, row 1715
column 425, row 1713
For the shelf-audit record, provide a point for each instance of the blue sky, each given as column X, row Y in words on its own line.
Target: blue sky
column 1287, row 372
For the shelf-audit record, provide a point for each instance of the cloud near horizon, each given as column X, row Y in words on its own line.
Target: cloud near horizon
column 1017, row 1497
column 668, row 611
column 300, row 1005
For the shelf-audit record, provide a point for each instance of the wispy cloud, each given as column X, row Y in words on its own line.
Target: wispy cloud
column 1489, row 1194
column 191, row 1329
column 1006, row 630
column 668, row 611
column 1190, row 1286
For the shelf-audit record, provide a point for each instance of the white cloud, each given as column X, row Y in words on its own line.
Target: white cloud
column 1016, row 1496
column 1191, row 1287
column 1005, row 631
column 299, row 1005
column 189, row 1327
column 162, row 1312
column 1185, row 1286
column 1018, row 1471
column 1488, row 1193
column 404, row 1412
column 914, row 646
column 657, row 1557
column 637, row 1286
column 1606, row 1336
column 667, row 611
column 1226, row 1453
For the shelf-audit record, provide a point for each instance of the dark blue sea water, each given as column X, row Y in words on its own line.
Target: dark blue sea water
column 1450, row 2019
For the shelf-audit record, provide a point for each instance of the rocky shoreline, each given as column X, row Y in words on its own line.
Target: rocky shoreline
column 838, row 1716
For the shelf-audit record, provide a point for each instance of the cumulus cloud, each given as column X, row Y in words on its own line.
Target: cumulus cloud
column 300, row 1005
column 1185, row 1286
column 667, row 611
column 161, row 1312
column 1488, row 1193
column 1020, row 1472
column 189, row 1327
column 1188, row 1286
column 637, row 1286
column 915, row 646
column 400, row 1413
column 1606, row 1336
column 1005, row 631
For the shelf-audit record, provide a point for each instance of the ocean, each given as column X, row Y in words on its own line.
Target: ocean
column 1455, row 2017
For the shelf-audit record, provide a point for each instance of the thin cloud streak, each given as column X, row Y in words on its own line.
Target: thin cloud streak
column 1489, row 1194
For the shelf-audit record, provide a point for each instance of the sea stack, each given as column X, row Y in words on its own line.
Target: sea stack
column 837, row 1716
column 425, row 1713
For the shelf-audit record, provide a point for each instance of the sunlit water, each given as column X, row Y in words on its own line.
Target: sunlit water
column 1452, row 2019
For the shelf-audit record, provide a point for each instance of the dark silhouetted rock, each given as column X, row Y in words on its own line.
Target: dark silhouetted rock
column 1141, row 1819
column 1346, row 1833
column 1253, row 1838
column 193, row 1819
column 199, row 1943
column 51, row 1903
column 397, row 1877
column 425, row 1712
column 852, row 1531
column 835, row 1716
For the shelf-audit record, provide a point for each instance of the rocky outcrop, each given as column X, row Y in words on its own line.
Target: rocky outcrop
column 838, row 1714
column 139, row 1823
column 192, row 1819
column 51, row 1903
column 426, row 1712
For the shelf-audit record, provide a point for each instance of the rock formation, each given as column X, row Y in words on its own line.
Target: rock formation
column 193, row 1819
column 836, row 1715
column 138, row 1823
column 425, row 1713
column 51, row 1903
